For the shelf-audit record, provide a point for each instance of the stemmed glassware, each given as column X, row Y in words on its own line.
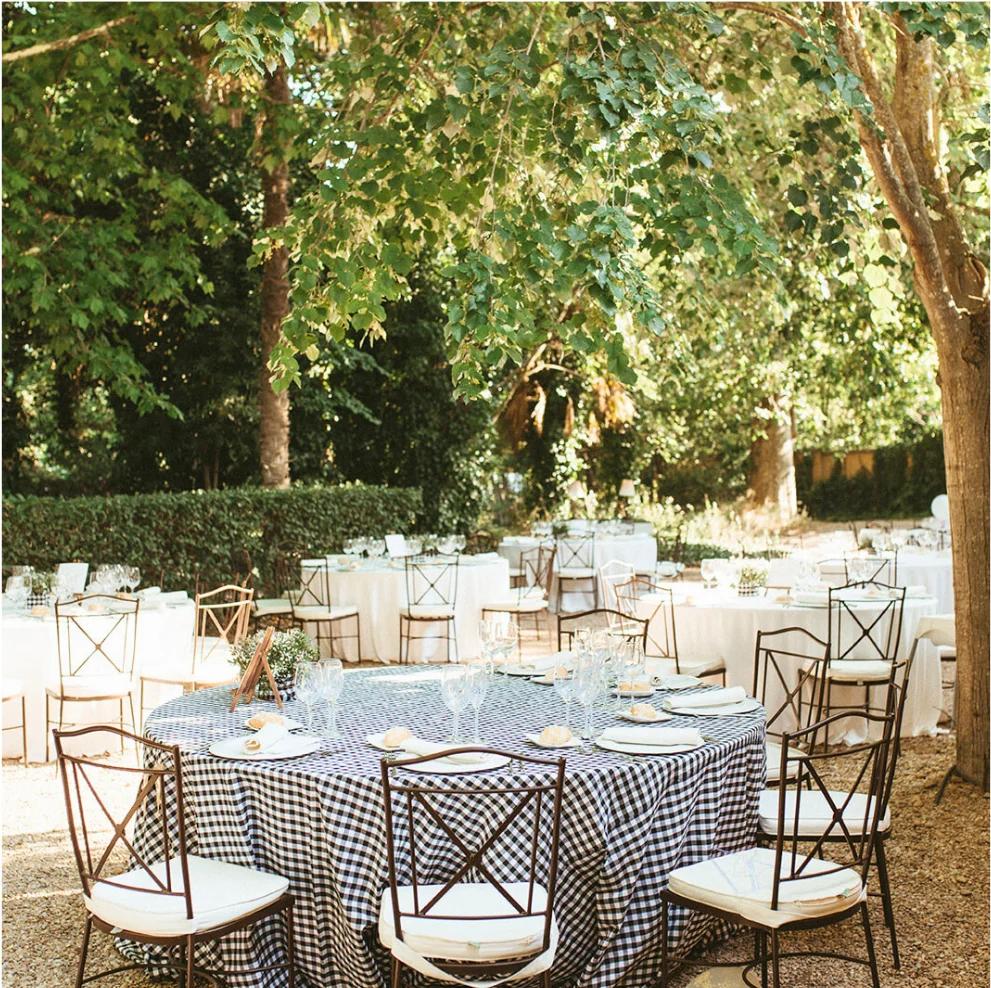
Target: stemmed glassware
column 708, row 570
column 487, row 640
column 132, row 577
column 376, row 548
column 632, row 668
column 307, row 683
column 453, row 691
column 18, row 588
column 330, row 682
column 477, row 684
column 564, row 686
column 587, row 683
column 460, row 543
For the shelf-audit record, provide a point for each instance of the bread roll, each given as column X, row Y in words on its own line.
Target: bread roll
column 265, row 717
column 644, row 711
column 395, row 736
column 555, row 734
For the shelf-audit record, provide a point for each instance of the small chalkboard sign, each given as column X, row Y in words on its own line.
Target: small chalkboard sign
column 257, row 665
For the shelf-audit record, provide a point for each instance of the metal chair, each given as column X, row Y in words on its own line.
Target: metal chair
column 871, row 569
column 531, row 595
column 176, row 902
column 600, row 619
column 433, row 921
column 96, row 637
column 431, row 594
column 286, row 567
column 311, row 604
column 13, row 689
column 781, row 889
column 576, row 566
column 611, row 575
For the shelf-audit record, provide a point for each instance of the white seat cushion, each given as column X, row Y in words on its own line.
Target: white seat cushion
column 272, row 605
column 526, row 605
column 466, row 938
column 222, row 893
column 815, row 813
column 697, row 667
column 429, row 612
column 858, row 670
column 743, row 882
column 320, row 612
column 576, row 573
column 213, row 672
column 773, row 753
column 12, row 688
column 98, row 684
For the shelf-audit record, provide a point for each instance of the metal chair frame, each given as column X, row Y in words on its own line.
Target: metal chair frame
column 632, row 628
column 426, row 590
column 790, row 864
column 23, row 726
column 578, row 551
column 74, row 615
column 411, row 793
column 886, row 571
column 536, row 570
column 160, row 784
column 321, row 574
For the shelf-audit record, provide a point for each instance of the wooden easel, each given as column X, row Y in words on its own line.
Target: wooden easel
column 258, row 663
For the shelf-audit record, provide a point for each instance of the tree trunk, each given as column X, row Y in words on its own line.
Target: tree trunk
column 274, row 408
column 772, row 460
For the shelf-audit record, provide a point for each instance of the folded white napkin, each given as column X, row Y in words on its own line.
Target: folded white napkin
column 417, row 747
column 481, row 557
column 149, row 591
column 917, row 590
column 548, row 662
column 660, row 736
column 811, row 596
column 267, row 737
column 175, row 597
column 710, row 698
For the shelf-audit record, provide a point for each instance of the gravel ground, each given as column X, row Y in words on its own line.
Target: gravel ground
column 938, row 859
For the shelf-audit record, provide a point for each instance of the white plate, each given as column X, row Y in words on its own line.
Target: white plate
column 677, row 681
column 291, row 746
column 535, row 739
column 635, row 694
column 727, row 710
column 543, row 680
column 643, row 749
column 661, row 715
column 444, row 766
column 516, row 669
column 288, row 723
column 378, row 741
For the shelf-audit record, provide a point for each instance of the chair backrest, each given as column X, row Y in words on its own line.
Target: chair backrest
column 662, row 637
column 808, row 774
column 536, row 571
column 865, row 620
column 600, row 619
column 576, row 552
column 611, row 575
column 93, row 787
column 310, row 588
column 96, row 635
column 449, row 840
column 221, row 621
column 901, row 674
column 790, row 663
column 871, row 569
column 286, row 562
column 431, row 580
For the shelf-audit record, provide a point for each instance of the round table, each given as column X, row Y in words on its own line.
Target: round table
column 378, row 590
column 626, row 822
column 639, row 550
column 718, row 623
column 30, row 654
column 916, row 568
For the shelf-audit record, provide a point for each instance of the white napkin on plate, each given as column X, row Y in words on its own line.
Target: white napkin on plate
column 417, row 747
column 660, row 736
column 710, row 698
column 269, row 736
column 811, row 596
column 548, row 662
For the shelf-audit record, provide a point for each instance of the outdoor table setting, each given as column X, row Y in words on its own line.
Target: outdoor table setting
column 310, row 806
column 377, row 587
column 929, row 568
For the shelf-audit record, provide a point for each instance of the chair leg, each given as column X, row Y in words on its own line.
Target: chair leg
column 664, row 942
column 24, row 729
column 120, row 703
column 141, row 703
column 397, row 974
column 776, row 961
column 290, row 949
column 889, row 913
column 357, row 634
column 763, row 959
column 872, row 959
column 85, row 949
column 48, row 724
column 189, row 963
column 454, row 638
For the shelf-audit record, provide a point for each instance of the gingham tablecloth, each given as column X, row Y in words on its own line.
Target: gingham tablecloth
column 626, row 824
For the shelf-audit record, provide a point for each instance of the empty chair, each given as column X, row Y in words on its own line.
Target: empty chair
column 431, row 595
column 13, row 690
column 616, row 623
column 871, row 569
column 176, row 902
column 639, row 598
column 576, row 566
column 611, row 575
column 221, row 624
column 774, row 890
column 941, row 631
column 96, row 638
column 286, row 567
column 789, row 682
column 531, row 594
column 435, row 921
column 311, row 604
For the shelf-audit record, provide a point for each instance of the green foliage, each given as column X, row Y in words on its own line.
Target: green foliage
column 202, row 538
column 287, row 650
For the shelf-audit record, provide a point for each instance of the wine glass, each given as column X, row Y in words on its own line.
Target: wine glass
column 632, row 668
column 132, row 577
column 414, row 546
column 329, row 686
column 453, row 690
column 587, row 683
column 18, row 588
column 583, row 636
column 487, row 639
column 564, row 686
column 306, row 680
column 460, row 543
column 708, row 569
column 476, row 686
column 507, row 638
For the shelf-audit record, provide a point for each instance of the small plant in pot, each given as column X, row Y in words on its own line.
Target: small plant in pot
column 750, row 580
column 288, row 649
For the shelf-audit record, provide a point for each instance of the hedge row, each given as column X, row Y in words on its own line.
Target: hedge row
column 201, row 539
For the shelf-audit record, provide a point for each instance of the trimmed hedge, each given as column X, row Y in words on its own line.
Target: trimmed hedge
column 201, row 538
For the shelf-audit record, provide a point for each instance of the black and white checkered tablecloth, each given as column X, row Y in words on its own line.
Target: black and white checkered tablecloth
column 319, row 820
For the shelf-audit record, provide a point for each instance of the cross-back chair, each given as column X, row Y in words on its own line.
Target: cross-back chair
column 96, row 637
column 531, row 595
column 311, row 603
column 611, row 575
column 220, row 625
column 789, row 681
column 451, row 911
column 639, row 598
column 175, row 899
column 792, row 885
column 871, row 569
column 576, row 566
column 431, row 597
column 286, row 561
column 618, row 624
column 13, row 690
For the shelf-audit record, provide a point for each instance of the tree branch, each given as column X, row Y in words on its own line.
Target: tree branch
column 62, row 43
column 769, row 10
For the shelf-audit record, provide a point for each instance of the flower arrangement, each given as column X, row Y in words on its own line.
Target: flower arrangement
column 288, row 649
column 749, row 579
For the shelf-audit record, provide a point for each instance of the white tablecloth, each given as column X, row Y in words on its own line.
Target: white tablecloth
column 638, row 550
column 379, row 591
column 30, row 654
column 717, row 623
column 916, row 568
